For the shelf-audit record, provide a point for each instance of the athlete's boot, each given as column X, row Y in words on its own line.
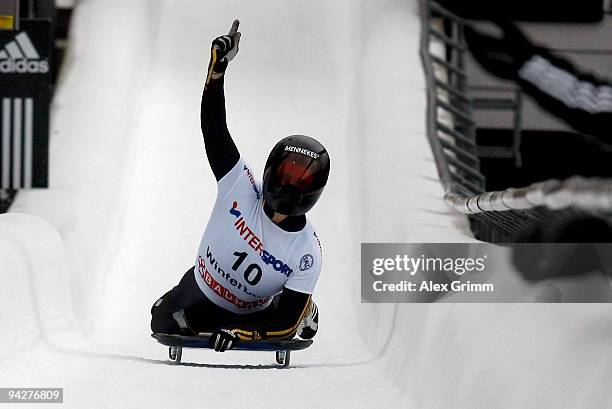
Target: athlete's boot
column 309, row 325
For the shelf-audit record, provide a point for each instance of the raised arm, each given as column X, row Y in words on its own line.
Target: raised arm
column 220, row 148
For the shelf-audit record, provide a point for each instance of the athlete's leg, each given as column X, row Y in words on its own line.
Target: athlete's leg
column 186, row 310
column 307, row 328
column 165, row 312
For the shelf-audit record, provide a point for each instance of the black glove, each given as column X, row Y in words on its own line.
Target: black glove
column 503, row 56
column 223, row 339
column 222, row 51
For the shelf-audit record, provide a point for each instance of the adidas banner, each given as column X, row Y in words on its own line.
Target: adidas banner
column 25, row 95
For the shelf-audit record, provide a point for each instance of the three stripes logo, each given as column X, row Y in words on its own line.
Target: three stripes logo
column 20, row 57
column 17, row 143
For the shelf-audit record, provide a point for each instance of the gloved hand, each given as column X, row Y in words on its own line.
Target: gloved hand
column 501, row 56
column 222, row 51
column 223, row 339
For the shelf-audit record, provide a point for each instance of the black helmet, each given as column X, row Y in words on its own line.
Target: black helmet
column 295, row 175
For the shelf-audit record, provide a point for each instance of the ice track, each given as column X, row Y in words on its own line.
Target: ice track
column 131, row 192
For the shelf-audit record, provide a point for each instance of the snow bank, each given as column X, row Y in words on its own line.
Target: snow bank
column 35, row 299
column 455, row 355
column 131, row 192
column 401, row 194
column 93, row 113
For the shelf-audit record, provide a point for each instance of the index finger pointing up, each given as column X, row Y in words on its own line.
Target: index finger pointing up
column 234, row 28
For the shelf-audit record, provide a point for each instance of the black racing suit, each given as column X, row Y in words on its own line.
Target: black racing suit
column 185, row 309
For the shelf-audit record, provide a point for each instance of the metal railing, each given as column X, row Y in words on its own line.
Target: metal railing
column 512, row 104
column 451, row 131
column 450, row 126
column 592, row 195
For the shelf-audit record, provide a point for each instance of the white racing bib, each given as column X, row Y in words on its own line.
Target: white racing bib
column 244, row 258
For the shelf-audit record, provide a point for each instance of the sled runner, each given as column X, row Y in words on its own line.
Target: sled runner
column 282, row 348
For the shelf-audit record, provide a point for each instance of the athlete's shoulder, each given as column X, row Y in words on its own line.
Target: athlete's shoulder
column 311, row 233
column 312, row 251
column 308, row 262
column 241, row 177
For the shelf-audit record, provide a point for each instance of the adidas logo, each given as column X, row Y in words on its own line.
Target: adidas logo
column 20, row 57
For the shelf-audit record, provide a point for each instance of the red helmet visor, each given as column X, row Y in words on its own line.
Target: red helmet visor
column 295, row 173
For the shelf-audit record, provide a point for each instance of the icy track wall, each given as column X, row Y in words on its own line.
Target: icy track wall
column 398, row 184
column 131, row 189
column 35, row 301
column 127, row 54
column 93, row 113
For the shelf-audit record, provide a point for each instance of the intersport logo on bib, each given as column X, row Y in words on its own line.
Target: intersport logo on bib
column 20, row 57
